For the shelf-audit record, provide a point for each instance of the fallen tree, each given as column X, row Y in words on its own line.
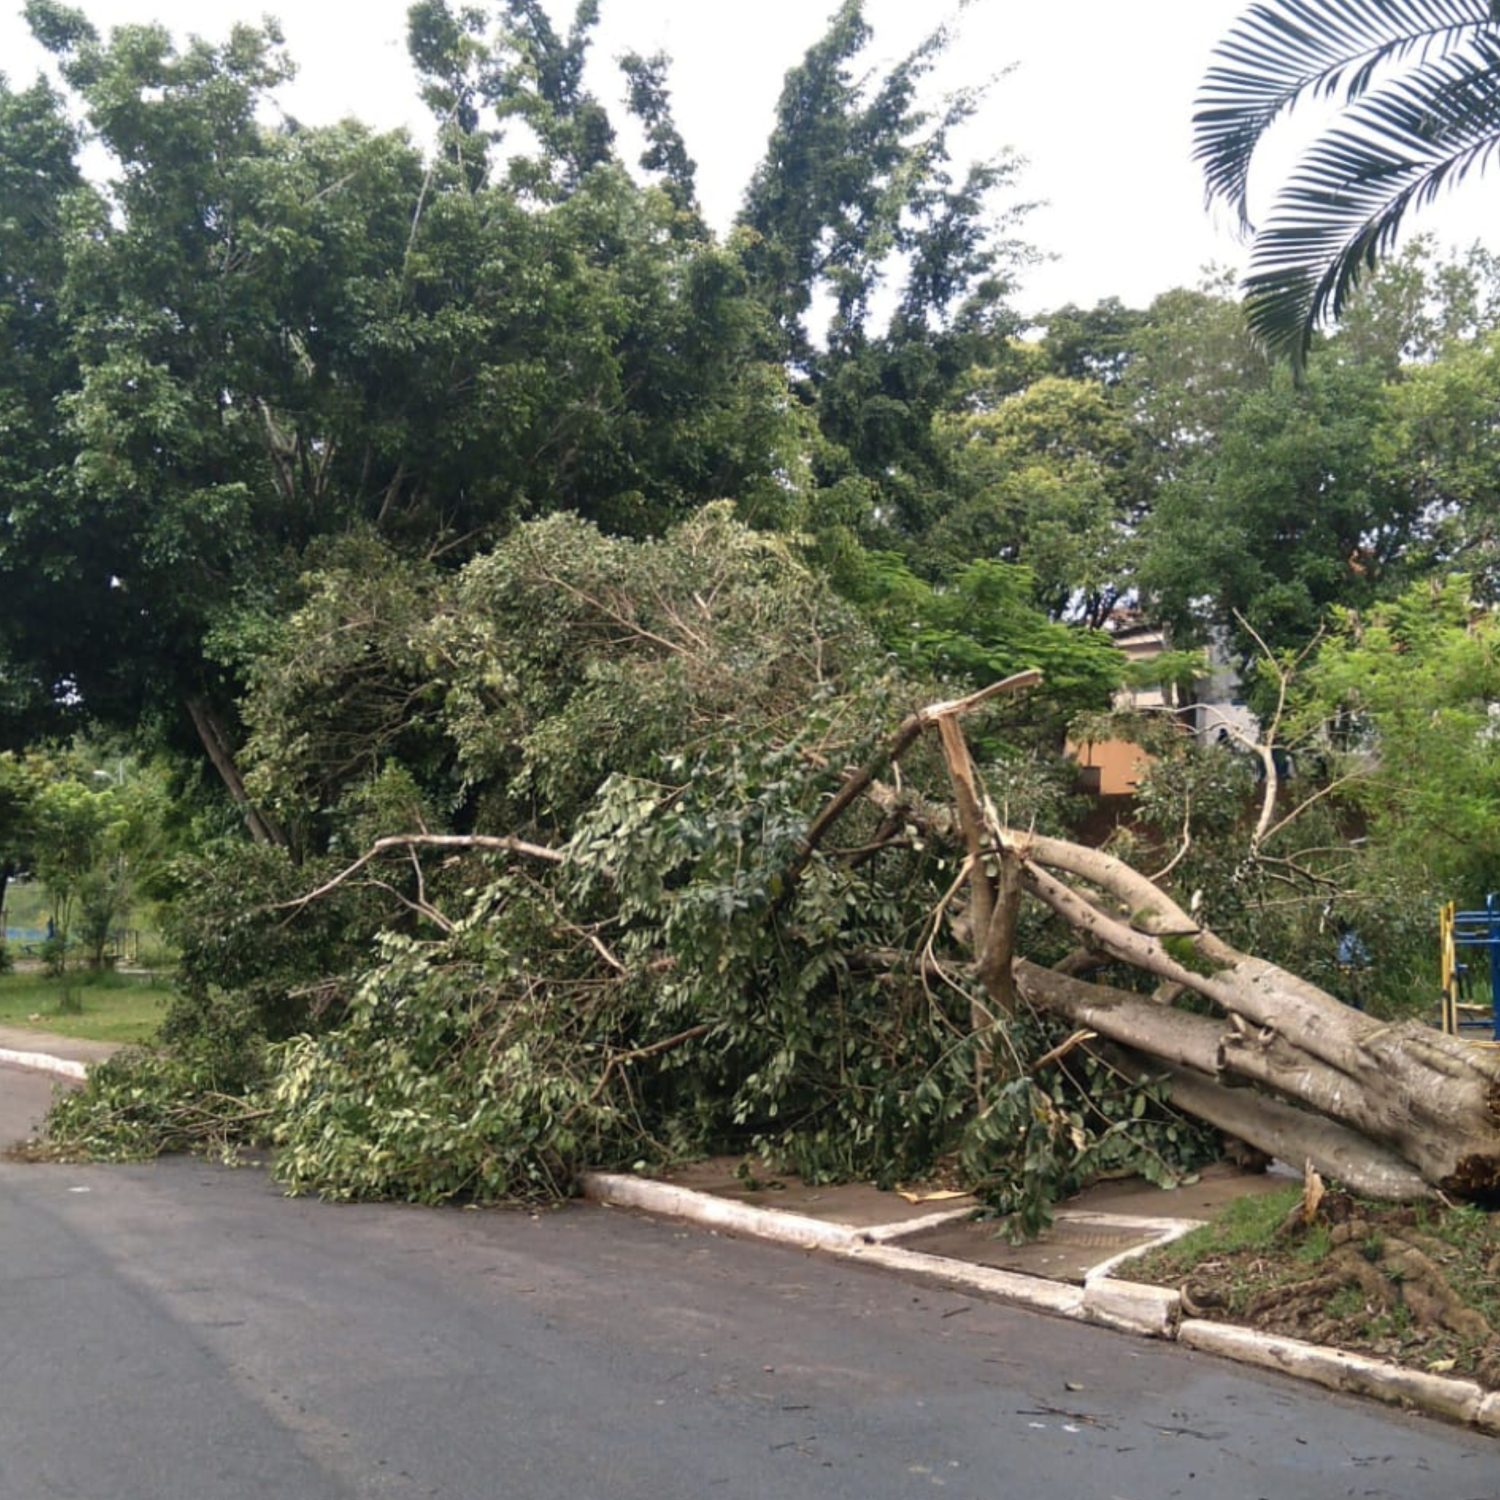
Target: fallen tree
column 710, row 901
column 1395, row 1111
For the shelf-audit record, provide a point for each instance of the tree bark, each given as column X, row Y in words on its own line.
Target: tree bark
column 467, row 843
column 264, row 829
column 1423, row 1107
column 1432, row 1098
column 1294, row 1136
column 904, row 738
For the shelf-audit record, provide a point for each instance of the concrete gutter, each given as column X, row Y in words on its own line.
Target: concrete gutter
column 1456, row 1400
column 870, row 1245
column 1059, row 1298
column 1105, row 1300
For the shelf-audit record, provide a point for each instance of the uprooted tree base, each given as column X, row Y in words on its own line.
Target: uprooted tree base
column 1394, row 1110
column 1420, row 1285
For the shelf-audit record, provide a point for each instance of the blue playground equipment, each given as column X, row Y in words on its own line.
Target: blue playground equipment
column 1461, row 932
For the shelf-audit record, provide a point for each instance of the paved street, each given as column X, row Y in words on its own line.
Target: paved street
column 24, row 1097
column 181, row 1332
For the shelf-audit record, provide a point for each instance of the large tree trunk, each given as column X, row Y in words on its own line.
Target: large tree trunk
column 1432, row 1099
column 1395, row 1110
column 1293, row 1135
column 1185, row 1052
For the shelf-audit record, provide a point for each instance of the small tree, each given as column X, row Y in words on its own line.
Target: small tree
column 95, row 831
column 70, row 820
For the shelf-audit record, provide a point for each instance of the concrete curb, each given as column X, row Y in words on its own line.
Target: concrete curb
column 1127, row 1306
column 1130, row 1306
column 868, row 1244
column 675, row 1202
column 1058, row 1298
column 1488, row 1416
column 1457, row 1400
column 42, row 1062
column 883, row 1232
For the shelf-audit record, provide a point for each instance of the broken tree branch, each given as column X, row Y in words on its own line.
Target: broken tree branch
column 904, row 738
column 467, row 842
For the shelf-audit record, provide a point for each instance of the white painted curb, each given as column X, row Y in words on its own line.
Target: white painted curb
column 880, row 1233
column 1056, row 1297
column 1132, row 1307
column 716, row 1213
column 1093, row 1220
column 1458, row 1400
column 864, row 1245
column 42, row 1062
column 1489, row 1413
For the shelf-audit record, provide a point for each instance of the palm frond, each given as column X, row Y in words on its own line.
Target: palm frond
column 1395, row 150
column 1281, row 50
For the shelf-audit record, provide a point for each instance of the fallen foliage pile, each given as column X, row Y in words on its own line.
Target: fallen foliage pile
column 704, row 897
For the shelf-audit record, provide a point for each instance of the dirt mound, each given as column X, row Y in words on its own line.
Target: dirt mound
column 1417, row 1285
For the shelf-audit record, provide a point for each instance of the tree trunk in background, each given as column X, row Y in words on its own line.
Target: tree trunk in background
column 264, row 829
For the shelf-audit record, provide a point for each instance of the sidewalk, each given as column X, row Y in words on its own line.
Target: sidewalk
column 1097, row 1226
column 1090, row 1234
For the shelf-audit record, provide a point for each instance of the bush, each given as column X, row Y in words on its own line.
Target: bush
column 54, row 955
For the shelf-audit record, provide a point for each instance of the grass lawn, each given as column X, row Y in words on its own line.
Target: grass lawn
column 104, row 1007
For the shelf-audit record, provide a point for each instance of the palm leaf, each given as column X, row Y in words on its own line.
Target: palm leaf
column 1395, row 150
column 1281, row 50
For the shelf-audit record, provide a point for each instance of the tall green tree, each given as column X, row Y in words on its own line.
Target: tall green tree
column 1274, row 500
column 40, row 192
column 1291, row 513
column 1439, row 439
column 1045, row 478
column 267, row 335
column 858, row 207
column 1410, row 686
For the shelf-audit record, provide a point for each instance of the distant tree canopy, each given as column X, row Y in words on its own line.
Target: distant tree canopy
column 267, row 373
column 256, row 337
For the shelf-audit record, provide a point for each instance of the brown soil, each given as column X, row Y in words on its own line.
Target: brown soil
column 1419, row 1286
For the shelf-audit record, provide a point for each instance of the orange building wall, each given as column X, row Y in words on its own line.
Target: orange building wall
column 1110, row 768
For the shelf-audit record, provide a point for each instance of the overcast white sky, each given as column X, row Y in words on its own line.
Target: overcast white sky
column 1098, row 102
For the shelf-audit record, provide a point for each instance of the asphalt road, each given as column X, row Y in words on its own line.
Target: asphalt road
column 24, row 1097
column 182, row 1332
